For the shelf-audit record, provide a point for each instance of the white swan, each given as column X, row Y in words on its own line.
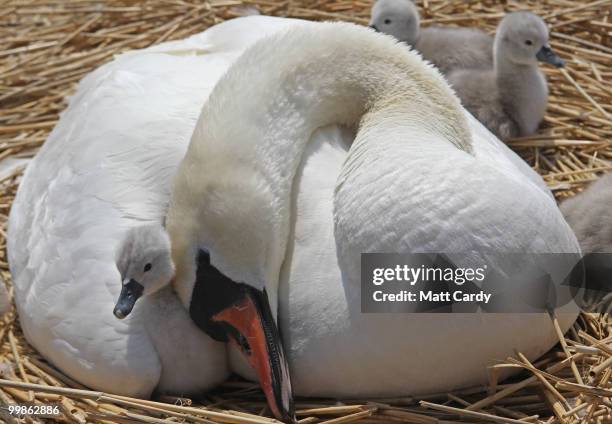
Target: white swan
column 106, row 168
column 421, row 175
column 63, row 211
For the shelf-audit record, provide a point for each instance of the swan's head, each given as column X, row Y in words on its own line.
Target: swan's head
column 522, row 39
column 145, row 264
column 399, row 18
column 221, row 302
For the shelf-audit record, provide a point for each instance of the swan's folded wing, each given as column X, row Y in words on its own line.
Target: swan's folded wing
column 229, row 37
column 450, row 201
column 489, row 147
column 107, row 165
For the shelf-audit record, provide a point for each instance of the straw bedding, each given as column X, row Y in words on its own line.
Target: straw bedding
column 46, row 46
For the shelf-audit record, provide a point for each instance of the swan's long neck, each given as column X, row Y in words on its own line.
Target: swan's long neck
column 232, row 191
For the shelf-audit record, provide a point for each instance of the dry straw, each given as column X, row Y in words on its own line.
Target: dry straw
column 46, row 46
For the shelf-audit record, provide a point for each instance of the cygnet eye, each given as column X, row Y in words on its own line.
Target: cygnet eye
column 387, row 21
column 148, row 267
column 528, row 42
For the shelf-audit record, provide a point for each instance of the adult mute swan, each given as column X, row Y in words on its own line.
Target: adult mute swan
column 100, row 184
column 421, row 175
column 97, row 177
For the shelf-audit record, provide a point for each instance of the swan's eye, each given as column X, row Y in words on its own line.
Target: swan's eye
column 148, row 267
column 528, row 42
column 387, row 21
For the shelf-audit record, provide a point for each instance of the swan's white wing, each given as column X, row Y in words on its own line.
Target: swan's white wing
column 106, row 166
column 487, row 145
column 232, row 36
column 450, row 202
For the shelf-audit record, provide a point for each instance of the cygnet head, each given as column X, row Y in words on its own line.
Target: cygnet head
column 399, row 18
column 522, row 39
column 145, row 264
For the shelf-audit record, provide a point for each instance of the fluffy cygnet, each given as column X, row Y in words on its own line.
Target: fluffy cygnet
column 510, row 99
column 190, row 361
column 446, row 47
column 590, row 216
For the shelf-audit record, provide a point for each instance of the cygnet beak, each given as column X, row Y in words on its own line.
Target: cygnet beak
column 545, row 54
column 130, row 293
column 374, row 27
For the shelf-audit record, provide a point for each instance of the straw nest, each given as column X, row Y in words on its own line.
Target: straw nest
column 46, row 46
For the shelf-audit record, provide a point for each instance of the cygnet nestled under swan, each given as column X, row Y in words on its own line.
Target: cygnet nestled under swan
column 449, row 48
column 191, row 362
column 510, row 99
